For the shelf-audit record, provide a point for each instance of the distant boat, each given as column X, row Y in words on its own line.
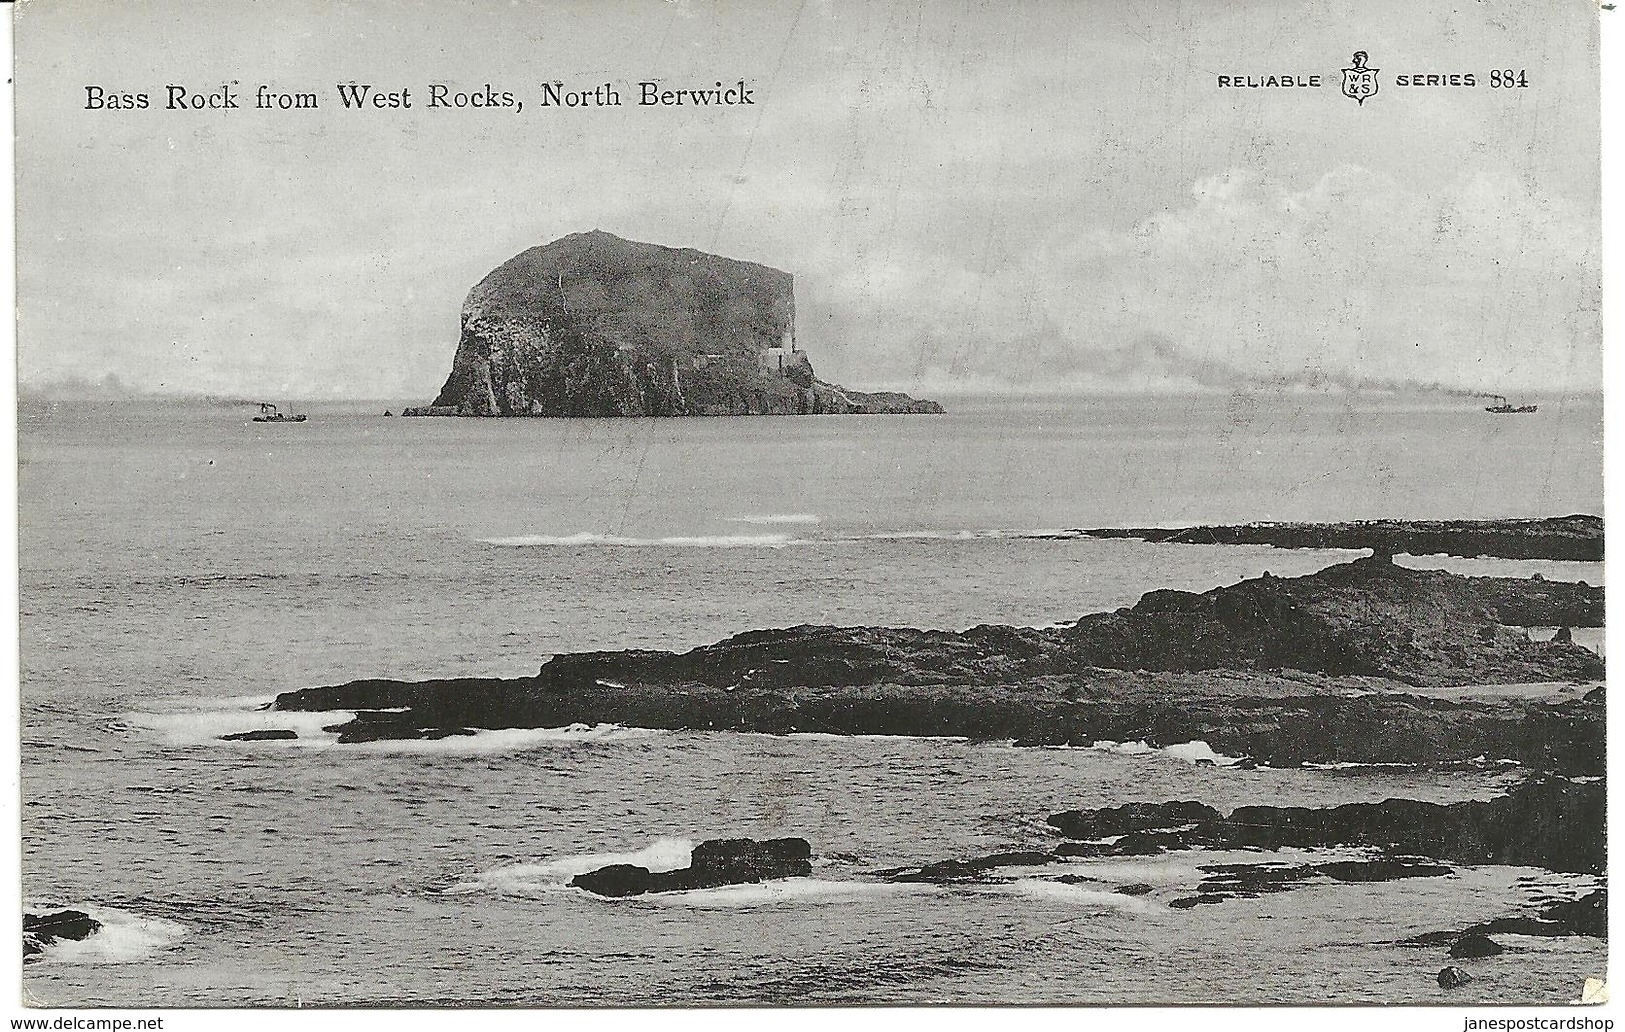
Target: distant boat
column 1501, row 408
column 269, row 413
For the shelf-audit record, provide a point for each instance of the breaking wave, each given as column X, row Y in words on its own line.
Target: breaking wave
column 197, row 727
column 1191, row 752
column 788, row 890
column 589, row 540
column 670, row 854
column 208, row 726
column 1076, row 895
column 517, row 739
column 829, row 736
column 123, row 938
column 667, row 854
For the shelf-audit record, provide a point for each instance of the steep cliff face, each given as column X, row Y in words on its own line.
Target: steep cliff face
column 594, row 325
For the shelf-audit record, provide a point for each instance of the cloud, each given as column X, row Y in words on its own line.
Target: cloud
column 1349, row 280
column 1063, row 202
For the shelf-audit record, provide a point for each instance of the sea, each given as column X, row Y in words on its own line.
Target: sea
column 180, row 565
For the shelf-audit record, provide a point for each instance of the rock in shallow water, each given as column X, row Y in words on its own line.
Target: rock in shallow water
column 713, row 863
column 1129, row 817
column 264, row 734
column 945, row 872
column 1587, row 916
column 1473, row 946
column 1382, row 869
column 1453, row 977
column 1197, row 900
column 41, row 930
column 355, row 733
column 615, row 880
column 1552, row 823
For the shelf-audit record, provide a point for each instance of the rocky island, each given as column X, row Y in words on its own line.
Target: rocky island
column 594, row 325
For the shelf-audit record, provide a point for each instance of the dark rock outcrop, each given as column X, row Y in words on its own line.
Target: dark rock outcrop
column 1249, row 881
column 1129, row 817
column 1474, row 945
column 714, row 863
column 1552, row 823
column 1328, row 667
column 1380, row 870
column 1578, row 537
column 945, row 872
column 594, row 325
column 264, row 734
column 41, row 930
column 1587, row 916
column 1453, row 978
column 357, row 732
column 1201, row 898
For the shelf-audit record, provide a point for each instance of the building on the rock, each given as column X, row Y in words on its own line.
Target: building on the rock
column 781, row 359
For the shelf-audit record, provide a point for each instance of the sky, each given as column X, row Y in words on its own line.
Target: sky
column 975, row 196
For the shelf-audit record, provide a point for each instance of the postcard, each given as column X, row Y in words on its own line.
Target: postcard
column 683, row 503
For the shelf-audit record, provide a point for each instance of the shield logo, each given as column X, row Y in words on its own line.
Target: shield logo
column 1360, row 82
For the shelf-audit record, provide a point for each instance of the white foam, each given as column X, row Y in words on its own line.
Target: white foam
column 122, row 939
column 207, row 727
column 590, row 540
column 777, row 517
column 1042, row 533
column 931, row 535
column 484, row 742
column 1077, row 895
column 1162, row 871
column 196, row 704
column 828, row 736
column 1190, row 752
column 667, row 854
column 787, row 890
column 1122, row 748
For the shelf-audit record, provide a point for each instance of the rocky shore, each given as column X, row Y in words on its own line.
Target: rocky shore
column 1364, row 662
column 1577, row 538
column 1548, row 822
column 1346, row 665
